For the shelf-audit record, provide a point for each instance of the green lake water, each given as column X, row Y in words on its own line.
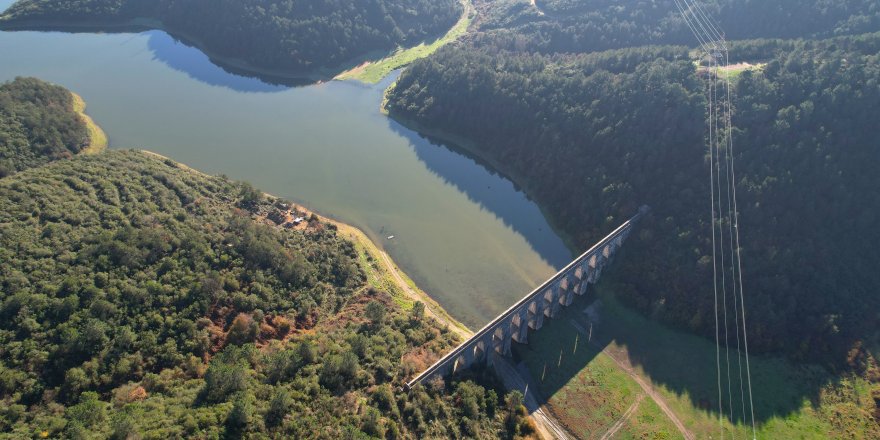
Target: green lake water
column 465, row 234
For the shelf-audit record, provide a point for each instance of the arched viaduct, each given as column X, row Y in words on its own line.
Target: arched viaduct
column 529, row 313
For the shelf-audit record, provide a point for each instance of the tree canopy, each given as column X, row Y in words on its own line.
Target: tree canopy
column 37, row 124
column 298, row 36
column 593, row 136
column 139, row 299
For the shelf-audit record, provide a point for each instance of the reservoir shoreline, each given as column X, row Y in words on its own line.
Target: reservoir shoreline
column 388, row 274
column 230, row 64
column 468, row 148
column 462, row 232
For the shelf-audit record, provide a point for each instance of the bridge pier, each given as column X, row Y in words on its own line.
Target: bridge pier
column 536, row 314
column 520, row 330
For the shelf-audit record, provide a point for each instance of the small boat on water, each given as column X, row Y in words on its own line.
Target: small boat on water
column 391, row 237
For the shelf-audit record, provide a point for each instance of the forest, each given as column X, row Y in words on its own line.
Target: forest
column 593, row 136
column 587, row 26
column 293, row 36
column 37, row 125
column 142, row 299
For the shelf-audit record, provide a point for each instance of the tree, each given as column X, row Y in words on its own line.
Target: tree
column 240, row 415
column 375, row 312
column 89, row 411
column 279, row 406
column 307, row 352
column 223, row 379
column 418, row 312
column 249, row 196
column 372, row 423
column 243, row 330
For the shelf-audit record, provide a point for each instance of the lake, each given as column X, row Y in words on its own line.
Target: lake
column 464, row 234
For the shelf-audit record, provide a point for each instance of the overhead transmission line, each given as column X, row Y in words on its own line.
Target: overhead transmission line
column 715, row 52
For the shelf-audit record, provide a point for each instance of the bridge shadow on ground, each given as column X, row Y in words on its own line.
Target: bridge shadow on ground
column 581, row 358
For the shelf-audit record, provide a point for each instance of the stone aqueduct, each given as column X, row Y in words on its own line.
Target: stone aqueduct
column 529, row 313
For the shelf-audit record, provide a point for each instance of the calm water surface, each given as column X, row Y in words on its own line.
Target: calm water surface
column 463, row 233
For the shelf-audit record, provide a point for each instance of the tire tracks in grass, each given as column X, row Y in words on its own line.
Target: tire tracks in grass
column 646, row 387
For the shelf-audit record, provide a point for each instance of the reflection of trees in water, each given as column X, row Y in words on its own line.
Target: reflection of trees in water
column 195, row 63
column 492, row 191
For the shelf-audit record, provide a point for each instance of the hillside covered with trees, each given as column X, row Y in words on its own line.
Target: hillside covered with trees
column 38, row 124
column 585, row 26
column 142, row 299
column 593, row 136
column 283, row 35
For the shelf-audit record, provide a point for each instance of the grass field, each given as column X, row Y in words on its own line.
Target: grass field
column 373, row 72
column 97, row 138
column 587, row 391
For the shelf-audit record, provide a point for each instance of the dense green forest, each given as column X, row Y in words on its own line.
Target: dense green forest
column 592, row 136
column 37, row 124
column 291, row 35
column 581, row 26
column 140, row 297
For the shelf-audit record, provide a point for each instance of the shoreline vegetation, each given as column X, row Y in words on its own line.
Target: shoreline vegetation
column 371, row 72
column 368, row 68
column 384, row 273
column 137, row 25
column 192, row 311
column 98, row 141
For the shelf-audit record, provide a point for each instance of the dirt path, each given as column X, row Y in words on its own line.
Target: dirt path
column 646, row 387
column 619, row 424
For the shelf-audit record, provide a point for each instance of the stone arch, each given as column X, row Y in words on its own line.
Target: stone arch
column 498, row 339
column 479, row 350
column 548, row 302
column 460, row 363
column 516, row 327
column 535, row 315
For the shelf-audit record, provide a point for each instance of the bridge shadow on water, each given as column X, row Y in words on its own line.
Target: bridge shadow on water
column 582, row 361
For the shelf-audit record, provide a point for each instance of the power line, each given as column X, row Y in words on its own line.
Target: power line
column 739, row 260
column 712, row 42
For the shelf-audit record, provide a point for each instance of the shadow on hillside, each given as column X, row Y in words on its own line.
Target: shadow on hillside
column 681, row 363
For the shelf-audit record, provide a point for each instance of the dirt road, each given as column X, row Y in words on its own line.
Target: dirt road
column 619, row 424
column 646, row 387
